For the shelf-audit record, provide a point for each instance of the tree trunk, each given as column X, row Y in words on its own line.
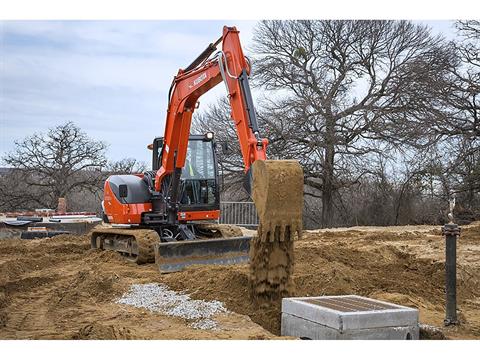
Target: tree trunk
column 328, row 185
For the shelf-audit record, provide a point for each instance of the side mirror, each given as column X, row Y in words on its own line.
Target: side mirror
column 123, row 191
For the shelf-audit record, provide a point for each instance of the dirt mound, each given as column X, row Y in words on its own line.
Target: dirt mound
column 329, row 235
column 67, row 238
column 62, row 244
column 95, row 256
column 54, row 288
column 222, row 230
column 357, row 271
column 472, row 232
column 339, row 265
column 86, row 285
column 24, row 256
column 389, row 236
column 229, row 284
column 59, row 288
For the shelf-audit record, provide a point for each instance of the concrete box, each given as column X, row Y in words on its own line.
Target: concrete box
column 347, row 317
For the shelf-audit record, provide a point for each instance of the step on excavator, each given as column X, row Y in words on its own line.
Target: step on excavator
column 170, row 214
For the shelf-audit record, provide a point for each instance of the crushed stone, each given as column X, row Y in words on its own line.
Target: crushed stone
column 159, row 298
column 204, row 324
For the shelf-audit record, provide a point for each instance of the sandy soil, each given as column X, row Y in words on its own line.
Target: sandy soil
column 58, row 288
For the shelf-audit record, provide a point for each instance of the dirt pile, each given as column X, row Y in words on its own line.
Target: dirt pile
column 222, row 230
column 59, row 288
column 278, row 196
column 393, row 265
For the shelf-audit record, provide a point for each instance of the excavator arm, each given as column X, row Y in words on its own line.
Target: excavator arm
column 230, row 66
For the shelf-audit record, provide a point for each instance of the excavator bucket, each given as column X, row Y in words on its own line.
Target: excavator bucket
column 176, row 255
column 278, row 196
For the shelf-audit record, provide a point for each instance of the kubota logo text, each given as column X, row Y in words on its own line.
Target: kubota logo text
column 199, row 79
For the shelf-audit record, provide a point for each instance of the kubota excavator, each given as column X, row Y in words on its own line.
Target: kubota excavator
column 170, row 214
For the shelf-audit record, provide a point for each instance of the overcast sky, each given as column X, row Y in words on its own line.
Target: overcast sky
column 109, row 77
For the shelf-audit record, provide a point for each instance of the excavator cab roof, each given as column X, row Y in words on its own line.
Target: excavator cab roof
column 157, row 144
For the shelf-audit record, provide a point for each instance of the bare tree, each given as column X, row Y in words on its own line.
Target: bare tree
column 126, row 166
column 14, row 195
column 340, row 91
column 47, row 166
column 469, row 46
column 460, row 129
column 461, row 94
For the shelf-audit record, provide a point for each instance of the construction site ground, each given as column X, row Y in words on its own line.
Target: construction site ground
column 60, row 289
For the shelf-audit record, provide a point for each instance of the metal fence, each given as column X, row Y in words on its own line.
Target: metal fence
column 238, row 213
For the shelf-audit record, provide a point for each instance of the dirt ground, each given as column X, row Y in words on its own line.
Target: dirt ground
column 60, row 289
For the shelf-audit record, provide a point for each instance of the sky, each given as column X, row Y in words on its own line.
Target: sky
column 111, row 78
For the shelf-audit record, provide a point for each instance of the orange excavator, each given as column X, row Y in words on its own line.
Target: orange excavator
column 170, row 214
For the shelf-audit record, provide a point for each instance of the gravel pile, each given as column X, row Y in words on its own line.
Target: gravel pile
column 159, row 298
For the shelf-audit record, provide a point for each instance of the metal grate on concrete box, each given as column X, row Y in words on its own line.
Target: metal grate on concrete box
column 347, row 317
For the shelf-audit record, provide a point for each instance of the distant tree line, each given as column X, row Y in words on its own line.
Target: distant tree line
column 64, row 162
column 384, row 117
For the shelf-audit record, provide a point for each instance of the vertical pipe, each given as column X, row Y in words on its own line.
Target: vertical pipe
column 451, row 232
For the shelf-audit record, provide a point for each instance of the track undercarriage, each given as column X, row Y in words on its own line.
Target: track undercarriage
column 213, row 244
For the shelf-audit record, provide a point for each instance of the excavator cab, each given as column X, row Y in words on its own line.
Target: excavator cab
column 199, row 189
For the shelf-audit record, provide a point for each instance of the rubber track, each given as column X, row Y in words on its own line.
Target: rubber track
column 145, row 239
